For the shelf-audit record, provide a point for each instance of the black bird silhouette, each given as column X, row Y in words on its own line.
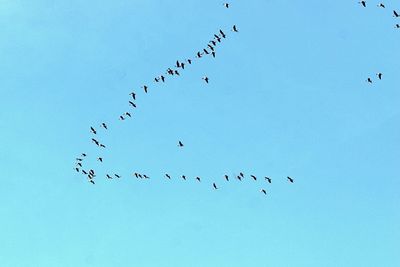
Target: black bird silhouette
column 78, row 159
column 198, row 179
column 121, row 118
column 84, row 172
column 205, row 51
column 116, row 175
column 93, row 130
column 263, row 191
column 222, row 34
column 241, row 174
column 395, row 14
column 239, row 178
column 145, row 176
column 234, row 28
column 290, row 179
column 381, row 5
column 213, row 42
column 189, row 61
column 108, row 176
column 363, row 3
column 180, row 144
column 178, row 64
column 95, row 141
column 132, row 104
column 103, row 146
column 184, row 177
column 128, row 114
column 211, row 48
column 140, row 176
column 133, row 95
column 91, row 171
column 77, row 169
column 268, row 179
column 100, row 159
column 397, row 26
column 369, row 80
column 199, row 54
column 255, row 178
column 162, row 78
column 167, row 175
column 79, row 164
column 227, row 178
column 145, row 88
column 183, row 65
column 156, row 80
column 177, row 73
column 213, row 54
column 136, row 175
column 215, row 186
column 91, row 181
column 205, row 78
column 226, row 5
column 104, row 125
column 379, row 74
column 83, row 155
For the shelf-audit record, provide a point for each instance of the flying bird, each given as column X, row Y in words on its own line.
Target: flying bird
column 100, row 159
column 379, row 74
column 133, row 95
column 397, row 26
column 222, row 34
column 108, row 176
column 180, row 144
column 234, row 28
column 381, row 5
column 227, row 178
column 162, row 78
column 395, row 14
column 215, row 186
column 198, row 179
column 213, row 54
column 184, row 177
column 226, row 5
column 205, row 78
column 78, row 159
column 268, row 179
column 241, row 174
column 93, row 130
column 189, row 61
column 83, row 155
column 91, row 181
column 239, row 178
column 199, row 54
column 116, row 175
column 103, row 146
column 145, row 88
column 369, row 80
column 95, row 141
column 263, row 191
column 84, row 172
column 104, row 125
column 128, row 114
column 363, row 3
column 145, row 176
column 121, row 118
column 79, row 164
column 132, row 104
column 167, row 175
column 255, row 178
column 77, row 169
column 290, row 179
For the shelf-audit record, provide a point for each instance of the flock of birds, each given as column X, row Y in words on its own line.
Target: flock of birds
column 210, row 49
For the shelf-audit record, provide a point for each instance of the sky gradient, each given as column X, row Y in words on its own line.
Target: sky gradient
column 287, row 97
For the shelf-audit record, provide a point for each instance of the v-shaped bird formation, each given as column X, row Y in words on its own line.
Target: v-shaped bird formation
column 178, row 69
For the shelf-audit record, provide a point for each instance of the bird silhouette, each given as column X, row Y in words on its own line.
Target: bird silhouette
column 363, row 3
column 180, row 144
column 379, row 75
column 254, row 178
column 84, row 172
column 162, row 78
column 226, row 178
column 79, row 159
column 128, row 114
column 83, row 155
column 132, row 104
column 108, row 176
column 100, row 159
column 290, row 179
column 205, row 78
column 91, row 181
column 189, row 61
column 145, row 88
column 121, row 118
column 268, row 179
column 397, row 26
column 184, row 177
column 93, row 130
column 167, row 175
column 213, row 54
column 77, row 169
column 226, row 5
column 381, row 5
column 241, row 174
column 222, row 34
column 395, row 14
column 104, row 125
column 234, row 28
column 205, row 51
column 239, row 178
column 199, row 54
column 215, row 186
column 145, row 176
column 116, row 175
column 263, row 191
column 198, row 179
column 79, row 164
column 369, row 80
column 95, row 141
column 211, row 48
column 133, row 95
column 103, row 146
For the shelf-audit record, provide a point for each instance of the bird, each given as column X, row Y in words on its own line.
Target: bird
column 222, row 34
column 363, row 3
column 104, row 125
column 369, row 80
column 176, row 72
column 167, row 175
column 268, row 179
column 103, row 146
column 180, row 144
column 213, row 42
column 121, row 118
column 239, row 178
column 78, row 159
column 211, row 48
column 183, row 65
column 136, row 175
column 145, row 176
column 91, row 181
column 84, row 172
column 263, row 191
column 198, row 179
column 116, row 175
column 178, row 64
column 91, row 171
column 77, row 169
column 93, row 130
column 397, row 26
column 162, row 78
column 199, row 54
column 255, row 178
column 379, row 74
column 290, row 179
column 213, row 54
column 189, row 61
column 395, row 14
column 226, row 5
column 381, row 5
column 227, row 178
column 184, row 177
column 234, row 28
column 128, row 114
column 205, row 78
column 79, row 164
column 241, row 174
column 100, row 159
column 215, row 186
column 206, row 51
column 132, row 104
column 108, row 176
column 96, row 142
column 156, row 79
column 83, row 155
column 133, row 95
column 145, row 88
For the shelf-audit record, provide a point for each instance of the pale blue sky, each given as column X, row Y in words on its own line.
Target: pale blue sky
column 287, row 96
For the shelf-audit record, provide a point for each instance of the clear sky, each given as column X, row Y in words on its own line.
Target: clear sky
column 287, row 96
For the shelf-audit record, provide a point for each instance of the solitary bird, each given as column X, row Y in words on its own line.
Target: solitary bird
column 226, row 5
column 369, row 80
column 116, row 175
column 103, row 146
column 108, row 176
column 167, row 175
column 128, row 114
column 104, row 125
column 222, row 34
column 395, row 14
column 205, row 78
column 121, row 118
column 268, row 179
column 95, row 141
column 198, row 178
column 83, row 155
column 91, row 181
column 263, row 191
column 100, row 159
column 227, row 178
column 397, row 26
column 381, row 5
column 93, row 130
column 184, row 177
column 239, row 178
column 290, row 179
column 133, row 95
column 255, row 178
column 363, row 3
column 234, row 28
column 189, row 61
column 180, row 144
column 379, row 75
column 145, row 88
column 241, row 174
column 215, row 186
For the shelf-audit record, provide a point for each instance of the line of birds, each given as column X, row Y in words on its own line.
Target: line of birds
column 382, row 5
column 180, row 65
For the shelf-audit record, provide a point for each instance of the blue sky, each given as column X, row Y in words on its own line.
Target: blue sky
column 287, row 96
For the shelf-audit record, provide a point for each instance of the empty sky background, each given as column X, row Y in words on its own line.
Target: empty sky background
column 287, row 96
